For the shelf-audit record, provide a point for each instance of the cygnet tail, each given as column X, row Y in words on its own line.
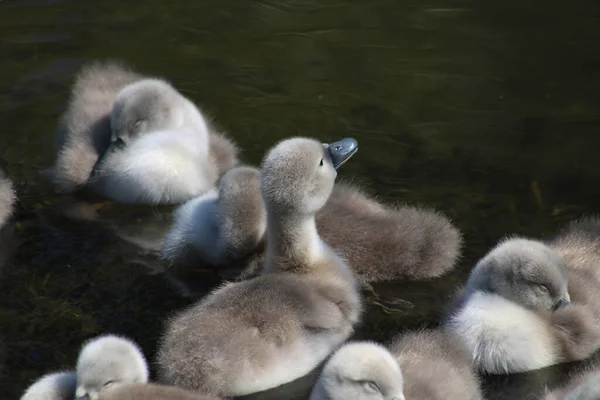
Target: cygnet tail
column 579, row 243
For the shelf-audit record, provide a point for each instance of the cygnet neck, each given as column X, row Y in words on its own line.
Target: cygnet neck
column 293, row 243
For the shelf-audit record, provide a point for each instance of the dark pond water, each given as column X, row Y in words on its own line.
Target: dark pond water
column 487, row 110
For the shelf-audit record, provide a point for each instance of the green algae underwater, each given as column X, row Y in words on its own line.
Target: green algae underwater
column 487, row 111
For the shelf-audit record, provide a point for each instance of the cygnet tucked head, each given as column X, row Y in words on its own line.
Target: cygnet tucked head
column 145, row 106
column 108, row 361
column 360, row 371
column 298, row 174
column 524, row 271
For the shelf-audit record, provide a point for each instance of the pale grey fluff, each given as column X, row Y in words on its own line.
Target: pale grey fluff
column 584, row 385
column 427, row 365
column 515, row 314
column 136, row 140
column 221, row 227
column 379, row 242
column 7, row 199
column 161, row 149
column 436, row 366
column 360, row 371
column 254, row 335
column 84, row 131
column 54, row 386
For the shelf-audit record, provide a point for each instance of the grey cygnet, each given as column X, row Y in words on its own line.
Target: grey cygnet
column 257, row 334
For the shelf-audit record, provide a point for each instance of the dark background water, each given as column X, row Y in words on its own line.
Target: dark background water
column 487, row 110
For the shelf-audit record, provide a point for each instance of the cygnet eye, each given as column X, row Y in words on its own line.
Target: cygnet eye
column 371, row 387
column 321, row 163
column 543, row 289
column 107, row 384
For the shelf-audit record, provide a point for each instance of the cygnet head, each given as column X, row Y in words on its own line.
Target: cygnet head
column 108, row 361
column 524, row 271
column 145, row 106
column 298, row 174
column 360, row 371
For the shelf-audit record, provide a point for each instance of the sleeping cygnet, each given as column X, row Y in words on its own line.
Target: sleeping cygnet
column 516, row 313
column 54, row 386
column 160, row 149
column 257, row 334
column 425, row 365
column 108, row 368
column 360, row 371
column 84, row 131
column 136, row 140
column 221, row 227
column 436, row 366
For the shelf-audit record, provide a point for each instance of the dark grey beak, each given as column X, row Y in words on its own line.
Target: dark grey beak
column 341, row 151
column 562, row 303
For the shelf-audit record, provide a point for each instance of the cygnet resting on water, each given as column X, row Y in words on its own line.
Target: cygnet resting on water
column 425, row 365
column 136, row 140
column 108, row 368
column 378, row 242
column 257, row 334
column 516, row 315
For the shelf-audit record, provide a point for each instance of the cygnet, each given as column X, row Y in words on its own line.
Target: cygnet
column 257, row 334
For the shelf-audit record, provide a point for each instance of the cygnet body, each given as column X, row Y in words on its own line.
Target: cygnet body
column 516, row 313
column 378, row 242
column 360, row 371
column 220, row 227
column 137, row 140
column 254, row 335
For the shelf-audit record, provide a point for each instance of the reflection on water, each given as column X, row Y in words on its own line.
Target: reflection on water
column 486, row 110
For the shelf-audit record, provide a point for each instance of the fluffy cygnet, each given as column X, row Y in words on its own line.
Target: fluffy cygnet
column 138, row 139
column 220, row 227
column 425, row 365
column 108, row 368
column 516, row 313
column 254, row 335
column 55, row 386
column 378, row 242
column 108, row 361
column 360, row 371
column 151, row 392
